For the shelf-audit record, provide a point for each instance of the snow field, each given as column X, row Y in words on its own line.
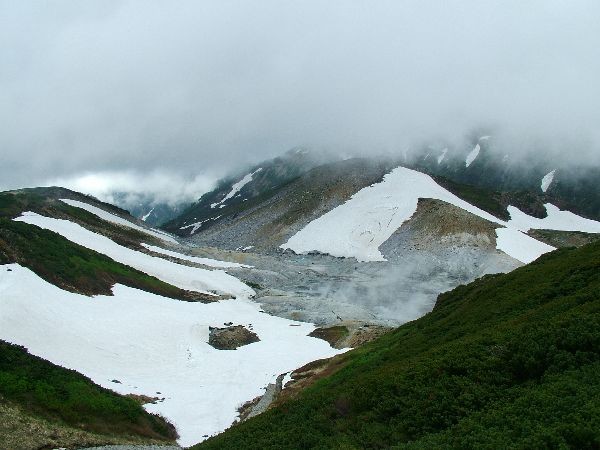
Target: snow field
column 555, row 220
column 153, row 345
column 358, row 227
column 184, row 277
column 109, row 217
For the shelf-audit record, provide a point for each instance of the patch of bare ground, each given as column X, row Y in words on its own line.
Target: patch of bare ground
column 349, row 334
column 436, row 218
column 19, row 430
column 302, row 378
column 561, row 239
column 307, row 375
column 231, row 337
column 144, row 399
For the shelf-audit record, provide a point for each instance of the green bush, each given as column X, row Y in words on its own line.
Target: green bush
column 56, row 393
column 71, row 266
column 508, row 361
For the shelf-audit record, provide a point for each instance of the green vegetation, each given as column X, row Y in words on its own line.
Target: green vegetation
column 71, row 266
column 508, row 361
column 45, row 201
column 59, row 394
column 12, row 205
column 496, row 203
column 485, row 199
column 333, row 335
column 64, row 263
column 561, row 239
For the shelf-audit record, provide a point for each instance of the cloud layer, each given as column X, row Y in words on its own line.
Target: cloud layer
column 200, row 87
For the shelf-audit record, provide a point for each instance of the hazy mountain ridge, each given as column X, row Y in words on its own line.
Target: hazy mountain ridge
column 265, row 215
column 435, row 234
column 572, row 185
column 267, row 178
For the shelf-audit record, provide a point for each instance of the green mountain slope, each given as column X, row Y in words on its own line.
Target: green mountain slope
column 507, row 361
column 68, row 265
column 67, row 399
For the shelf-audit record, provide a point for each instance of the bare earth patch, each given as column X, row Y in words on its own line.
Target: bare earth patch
column 231, row 337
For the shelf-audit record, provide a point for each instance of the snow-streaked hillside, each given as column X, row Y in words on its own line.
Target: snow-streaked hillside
column 204, row 261
column 109, row 217
column 237, row 187
column 184, row 277
column 555, row 220
column 155, row 346
column 359, row 227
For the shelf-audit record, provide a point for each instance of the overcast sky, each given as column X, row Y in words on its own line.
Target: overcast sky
column 172, row 93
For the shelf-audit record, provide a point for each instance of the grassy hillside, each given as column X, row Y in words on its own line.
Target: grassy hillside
column 508, row 361
column 64, row 263
column 65, row 396
column 46, row 201
column 68, row 265
column 496, row 203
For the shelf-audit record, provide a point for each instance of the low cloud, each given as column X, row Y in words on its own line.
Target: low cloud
column 132, row 187
column 204, row 87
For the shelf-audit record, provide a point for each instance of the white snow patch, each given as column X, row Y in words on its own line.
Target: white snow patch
column 184, row 277
column 194, row 226
column 472, row 155
column 286, row 379
column 484, row 138
column 196, row 259
column 145, row 216
column 357, row 228
column 547, row 180
column 109, row 217
column 154, row 344
column 237, row 187
column 520, row 246
column 442, row 156
column 555, row 220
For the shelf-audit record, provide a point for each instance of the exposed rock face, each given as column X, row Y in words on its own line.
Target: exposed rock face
column 231, row 337
column 271, row 218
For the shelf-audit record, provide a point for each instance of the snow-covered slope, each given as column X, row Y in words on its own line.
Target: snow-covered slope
column 109, row 217
column 519, row 245
column 358, row 227
column 184, row 277
column 555, row 220
column 155, row 346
